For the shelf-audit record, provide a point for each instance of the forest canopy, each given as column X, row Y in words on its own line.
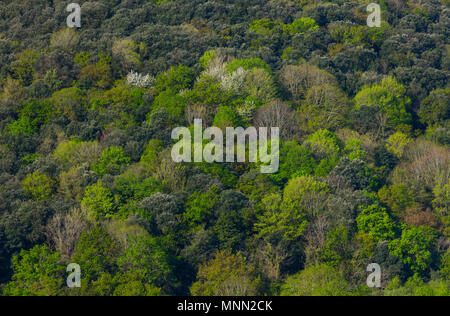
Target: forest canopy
column 86, row 174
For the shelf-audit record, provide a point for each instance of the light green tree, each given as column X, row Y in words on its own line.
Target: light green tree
column 36, row 272
column 227, row 275
column 98, row 202
column 38, row 185
column 415, row 248
column 319, row 280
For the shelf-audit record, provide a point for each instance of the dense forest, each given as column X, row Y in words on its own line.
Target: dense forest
column 86, row 174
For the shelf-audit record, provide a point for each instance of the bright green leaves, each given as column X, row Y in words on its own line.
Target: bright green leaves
column 176, row 79
column 377, row 223
column 266, row 27
column 37, row 272
column 391, row 99
column 296, row 160
column 300, row 26
column 415, row 248
column 200, row 206
column 31, row 117
column 98, row 202
column 227, row 275
column 111, row 161
column 323, row 144
column 319, row 280
column 286, row 217
column 39, row 186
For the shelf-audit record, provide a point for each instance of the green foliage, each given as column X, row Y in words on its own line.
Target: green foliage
column 200, row 206
column 335, row 250
column 37, row 272
column 300, row 26
column 31, row 117
column 320, row 280
column 173, row 103
column 70, row 102
column 23, row 66
column 415, row 248
column 134, row 185
column 397, row 143
column 96, row 253
column 151, row 152
column 286, row 217
column 145, row 257
column 38, row 185
column 111, row 161
column 248, row 64
column 260, row 85
column 98, row 202
column 323, row 144
column 415, row 286
column 435, row 109
column 398, row 197
column 264, row 26
column 74, row 153
column 226, row 117
column 376, row 222
column 227, row 275
column 175, row 79
column 325, row 107
column 353, row 149
column 445, row 265
column 389, row 97
column 353, row 187
column 207, row 57
column 296, row 160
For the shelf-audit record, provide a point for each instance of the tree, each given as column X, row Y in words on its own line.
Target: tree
column 376, row 222
column 397, row 143
column 96, row 253
column 415, row 248
column 415, row 286
column 276, row 114
column 200, row 206
column 398, row 197
column 66, row 39
column 306, row 194
column 63, row 231
column 74, row 153
column 435, row 109
column 323, row 144
column 226, row 117
column 38, row 185
column 297, row 80
column 37, row 272
column 98, row 202
column 145, row 257
column 71, row 103
column 296, row 160
column 127, row 52
column 286, row 217
column 259, row 84
column 390, row 98
column 320, row 280
column 163, row 210
column 32, row 116
column 325, row 107
column 353, row 173
column 111, row 161
column 176, row 79
column 227, row 275
column 337, row 247
column 300, row 26
column 23, row 66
